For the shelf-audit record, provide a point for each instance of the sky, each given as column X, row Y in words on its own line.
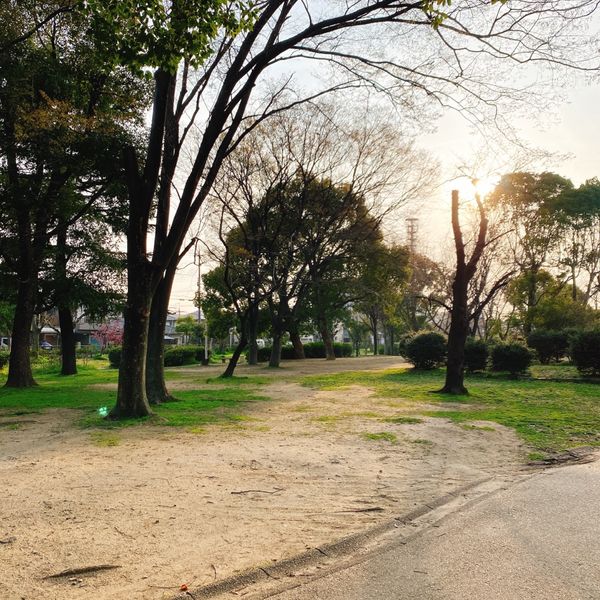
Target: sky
column 569, row 132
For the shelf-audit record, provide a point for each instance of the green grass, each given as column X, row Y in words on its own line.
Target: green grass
column 104, row 439
column 549, row 416
column 225, row 401
column 403, row 420
column 383, row 436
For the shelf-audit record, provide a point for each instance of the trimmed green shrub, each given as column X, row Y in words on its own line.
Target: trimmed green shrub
column 175, row 356
column 287, row 353
column 585, row 352
column 317, row 350
column 514, row 358
column 476, row 355
column 114, row 356
column 549, row 345
column 4, row 356
column 311, row 350
column 426, row 350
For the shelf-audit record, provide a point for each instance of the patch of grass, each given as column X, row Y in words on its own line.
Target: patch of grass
column 550, row 416
column 403, row 420
column 301, row 408
column 11, row 426
column 364, row 414
column 328, row 419
column 254, row 380
column 194, row 408
column 534, row 456
column 421, row 441
column 383, row 436
column 104, row 439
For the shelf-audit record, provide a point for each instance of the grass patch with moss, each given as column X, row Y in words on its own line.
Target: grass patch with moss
column 225, row 403
column 383, row 436
column 403, row 420
column 104, row 439
column 550, row 416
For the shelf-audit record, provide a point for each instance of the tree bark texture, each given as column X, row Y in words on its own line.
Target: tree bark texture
column 296, row 342
column 156, row 387
column 275, row 358
column 325, row 333
column 233, row 361
column 132, row 400
column 19, row 367
column 253, row 335
column 459, row 316
column 67, row 341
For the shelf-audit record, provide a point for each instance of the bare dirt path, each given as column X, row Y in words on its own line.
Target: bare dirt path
column 168, row 507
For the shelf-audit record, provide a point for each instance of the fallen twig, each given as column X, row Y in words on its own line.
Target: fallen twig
column 82, row 570
column 8, row 540
column 259, row 491
column 362, row 510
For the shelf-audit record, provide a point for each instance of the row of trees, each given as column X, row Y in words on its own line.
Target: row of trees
column 216, row 76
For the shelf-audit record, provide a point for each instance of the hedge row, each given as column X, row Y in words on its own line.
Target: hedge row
column 311, row 350
column 429, row 350
column 585, row 352
column 175, row 356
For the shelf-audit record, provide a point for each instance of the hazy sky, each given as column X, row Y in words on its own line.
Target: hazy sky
column 573, row 129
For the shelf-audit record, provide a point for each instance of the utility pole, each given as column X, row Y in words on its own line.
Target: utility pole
column 412, row 230
column 197, row 257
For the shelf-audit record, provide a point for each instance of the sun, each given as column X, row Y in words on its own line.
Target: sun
column 469, row 187
column 484, row 185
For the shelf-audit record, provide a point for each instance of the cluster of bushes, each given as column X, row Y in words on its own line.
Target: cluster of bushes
column 582, row 347
column 550, row 345
column 4, row 356
column 311, row 350
column 585, row 352
column 426, row 350
column 175, row 356
column 429, row 350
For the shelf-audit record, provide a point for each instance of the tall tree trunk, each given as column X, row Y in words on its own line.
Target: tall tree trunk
column 325, row 334
column 233, row 361
column 275, row 358
column 457, row 337
column 253, row 335
column 132, row 400
column 67, row 341
column 19, row 367
column 459, row 316
column 374, row 323
column 65, row 316
column 531, row 300
column 156, row 388
column 296, row 341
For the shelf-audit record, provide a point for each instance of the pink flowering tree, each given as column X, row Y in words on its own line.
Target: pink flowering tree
column 109, row 334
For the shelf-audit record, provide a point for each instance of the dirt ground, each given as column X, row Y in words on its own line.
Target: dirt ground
column 167, row 507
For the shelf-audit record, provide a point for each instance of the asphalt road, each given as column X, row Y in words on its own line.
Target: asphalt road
column 539, row 540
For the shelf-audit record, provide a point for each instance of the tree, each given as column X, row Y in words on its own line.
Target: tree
column 531, row 203
column 109, row 334
column 62, row 110
column 304, row 197
column 555, row 308
column 459, row 314
column 382, row 285
column 189, row 327
column 228, row 83
column 579, row 210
